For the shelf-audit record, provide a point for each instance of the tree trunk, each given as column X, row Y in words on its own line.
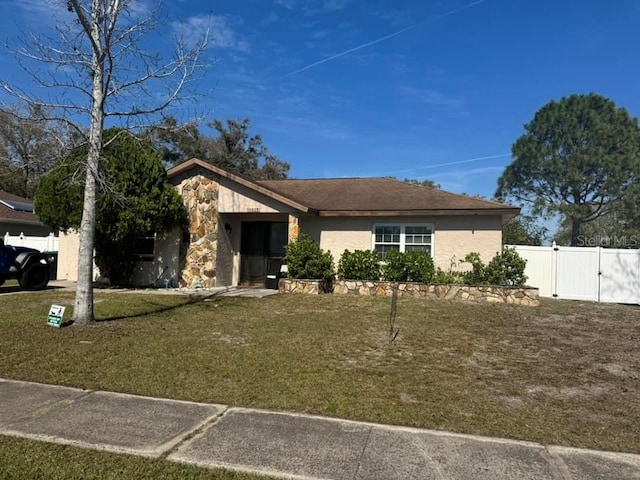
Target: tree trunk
column 83, row 306
column 575, row 231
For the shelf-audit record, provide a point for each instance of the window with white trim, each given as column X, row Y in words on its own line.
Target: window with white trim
column 402, row 238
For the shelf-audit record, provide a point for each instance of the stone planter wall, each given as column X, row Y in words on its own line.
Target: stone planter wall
column 304, row 286
column 481, row 293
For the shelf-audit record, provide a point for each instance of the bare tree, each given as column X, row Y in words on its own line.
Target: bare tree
column 29, row 146
column 99, row 69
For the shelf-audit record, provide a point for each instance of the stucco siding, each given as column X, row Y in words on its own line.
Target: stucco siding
column 339, row 234
column 68, row 248
column 234, row 198
column 457, row 236
column 453, row 237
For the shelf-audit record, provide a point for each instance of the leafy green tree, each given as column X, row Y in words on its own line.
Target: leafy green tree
column 232, row 148
column 579, row 157
column 134, row 200
column 423, row 183
column 615, row 230
column 177, row 143
column 523, row 230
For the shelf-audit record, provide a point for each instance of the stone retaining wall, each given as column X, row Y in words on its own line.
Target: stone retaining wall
column 304, row 286
column 474, row 293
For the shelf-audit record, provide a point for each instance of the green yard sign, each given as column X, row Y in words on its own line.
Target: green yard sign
column 55, row 316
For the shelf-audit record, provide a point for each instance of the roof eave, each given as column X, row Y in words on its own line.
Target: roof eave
column 503, row 212
column 21, row 222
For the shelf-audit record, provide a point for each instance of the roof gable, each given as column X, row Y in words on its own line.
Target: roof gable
column 195, row 164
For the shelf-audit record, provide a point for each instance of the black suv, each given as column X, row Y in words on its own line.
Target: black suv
column 28, row 265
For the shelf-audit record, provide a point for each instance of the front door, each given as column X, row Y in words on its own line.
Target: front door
column 261, row 250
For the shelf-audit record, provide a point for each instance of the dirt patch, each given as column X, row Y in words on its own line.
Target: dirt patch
column 231, row 340
column 568, row 393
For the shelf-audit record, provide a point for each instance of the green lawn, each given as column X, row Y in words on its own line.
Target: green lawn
column 22, row 459
column 564, row 373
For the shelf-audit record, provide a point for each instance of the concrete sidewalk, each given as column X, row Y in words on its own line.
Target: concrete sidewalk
column 249, row 292
column 286, row 445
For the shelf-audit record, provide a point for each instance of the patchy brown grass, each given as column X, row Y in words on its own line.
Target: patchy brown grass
column 565, row 373
column 29, row 459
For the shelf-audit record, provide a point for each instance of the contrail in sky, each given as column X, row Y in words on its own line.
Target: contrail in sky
column 470, row 160
column 382, row 39
column 467, row 161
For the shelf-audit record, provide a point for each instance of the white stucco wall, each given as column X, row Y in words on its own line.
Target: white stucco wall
column 452, row 239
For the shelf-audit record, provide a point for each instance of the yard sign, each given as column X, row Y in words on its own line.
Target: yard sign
column 55, row 316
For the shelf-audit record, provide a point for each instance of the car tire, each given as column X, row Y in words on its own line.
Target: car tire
column 35, row 277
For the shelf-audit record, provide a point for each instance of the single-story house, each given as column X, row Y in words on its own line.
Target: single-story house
column 238, row 228
column 17, row 217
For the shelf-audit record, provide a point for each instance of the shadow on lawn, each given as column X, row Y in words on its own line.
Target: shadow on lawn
column 150, row 311
column 7, row 289
column 191, row 300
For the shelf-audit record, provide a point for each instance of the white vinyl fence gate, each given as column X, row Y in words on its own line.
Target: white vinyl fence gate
column 583, row 273
column 47, row 243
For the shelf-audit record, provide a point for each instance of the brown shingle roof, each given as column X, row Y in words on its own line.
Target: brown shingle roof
column 380, row 196
column 358, row 196
column 9, row 214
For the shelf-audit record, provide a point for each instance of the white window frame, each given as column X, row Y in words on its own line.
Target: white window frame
column 403, row 228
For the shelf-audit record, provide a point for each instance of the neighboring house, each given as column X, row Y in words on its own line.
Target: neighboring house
column 238, row 228
column 17, row 217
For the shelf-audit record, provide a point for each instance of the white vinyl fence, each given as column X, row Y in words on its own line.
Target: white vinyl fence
column 583, row 273
column 48, row 243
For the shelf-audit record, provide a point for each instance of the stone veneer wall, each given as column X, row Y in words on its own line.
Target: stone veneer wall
column 200, row 195
column 481, row 293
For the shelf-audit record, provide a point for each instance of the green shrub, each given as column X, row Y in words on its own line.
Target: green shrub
column 506, row 269
column 450, row 277
column 476, row 275
column 394, row 268
column 305, row 259
column 419, row 267
column 408, row 267
column 359, row 265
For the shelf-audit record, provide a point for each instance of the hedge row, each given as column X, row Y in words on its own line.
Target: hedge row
column 305, row 259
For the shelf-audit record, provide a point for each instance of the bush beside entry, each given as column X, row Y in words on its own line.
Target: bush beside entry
column 305, row 259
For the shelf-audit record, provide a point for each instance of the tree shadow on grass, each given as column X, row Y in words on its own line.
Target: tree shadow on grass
column 190, row 300
column 7, row 289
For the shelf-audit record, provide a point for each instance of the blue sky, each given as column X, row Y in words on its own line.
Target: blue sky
column 419, row 89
